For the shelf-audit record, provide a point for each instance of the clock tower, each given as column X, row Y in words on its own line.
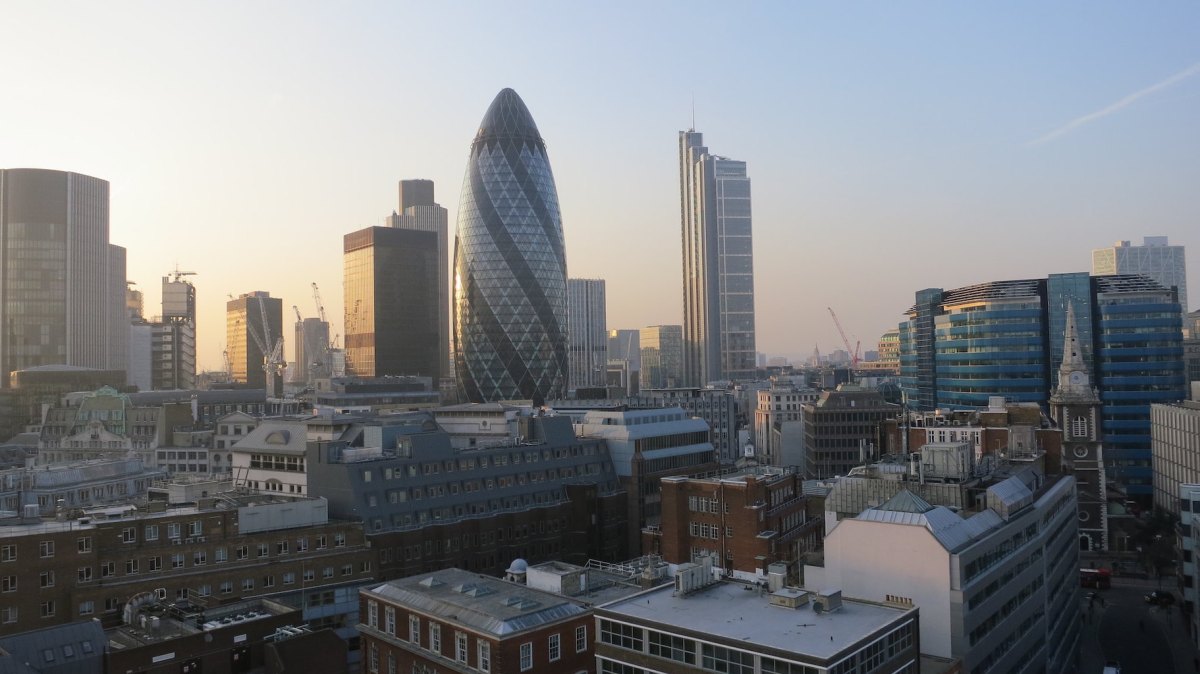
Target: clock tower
column 1075, row 406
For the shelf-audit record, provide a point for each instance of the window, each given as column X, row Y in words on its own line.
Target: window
column 460, row 646
column 177, row 560
column 131, row 567
column 8, row 614
column 47, row 579
column 87, row 607
column 152, row 532
column 327, row 572
column 247, row 584
column 46, row 549
column 85, row 544
column 172, row 529
column 195, row 528
column 391, row 669
column 301, row 545
column 435, row 637
column 581, row 638
column 281, row 548
column 48, row 609
column 8, row 584
column 372, row 614
column 220, row 555
column 199, row 558
column 85, row 574
column 8, row 553
column 264, row 550
column 373, row 659
column 289, row 578
column 108, row 569
column 347, row 569
column 321, row 542
column 226, row 586
column 414, row 629
column 618, row 634
column 242, row 552
column 156, row 563
column 526, row 656
column 339, row 539
column 389, row 620
column 671, row 647
column 485, row 656
column 555, row 647
column 309, row 574
column 129, row 535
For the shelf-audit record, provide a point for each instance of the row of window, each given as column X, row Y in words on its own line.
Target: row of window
column 46, row 549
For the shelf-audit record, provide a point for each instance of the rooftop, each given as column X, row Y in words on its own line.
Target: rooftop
column 737, row 612
column 478, row 602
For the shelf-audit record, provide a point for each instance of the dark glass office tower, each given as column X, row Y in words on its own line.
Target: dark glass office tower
column 391, row 295
column 510, row 270
column 1005, row 338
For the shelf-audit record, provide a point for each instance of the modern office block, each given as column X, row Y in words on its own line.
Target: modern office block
column 718, row 265
column 62, row 298
column 392, row 296
column 1004, row 338
column 662, row 356
column 588, row 333
column 253, row 326
column 510, row 269
column 1175, row 443
column 419, row 211
column 624, row 361
column 1155, row 258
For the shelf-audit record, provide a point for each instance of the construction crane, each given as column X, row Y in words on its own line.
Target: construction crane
column 296, row 309
column 317, row 300
column 852, row 352
column 177, row 275
column 273, row 362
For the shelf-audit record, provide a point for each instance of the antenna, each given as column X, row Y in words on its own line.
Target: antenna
column 693, row 111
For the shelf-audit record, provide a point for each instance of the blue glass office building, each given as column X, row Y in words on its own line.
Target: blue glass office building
column 510, row 270
column 1004, row 338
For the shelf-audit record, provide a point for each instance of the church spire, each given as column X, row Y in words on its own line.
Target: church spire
column 1073, row 373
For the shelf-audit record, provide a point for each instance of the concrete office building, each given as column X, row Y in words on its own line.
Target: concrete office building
column 779, row 424
column 996, row 581
column 391, row 303
column 718, row 407
column 588, row 333
column 841, row 430
column 432, row 495
column 1155, row 258
column 718, row 265
column 173, row 349
column 253, row 326
column 647, row 445
column 661, row 356
column 510, row 268
column 699, row 625
column 420, row 211
column 962, row 346
column 1175, row 443
column 69, row 308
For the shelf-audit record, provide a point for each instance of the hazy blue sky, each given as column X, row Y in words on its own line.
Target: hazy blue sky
column 893, row 146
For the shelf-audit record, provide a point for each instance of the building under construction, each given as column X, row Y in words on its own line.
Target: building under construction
column 254, row 339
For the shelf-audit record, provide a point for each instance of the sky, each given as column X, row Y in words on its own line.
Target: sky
column 892, row 146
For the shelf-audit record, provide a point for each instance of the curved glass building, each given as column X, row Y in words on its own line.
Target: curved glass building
column 510, row 270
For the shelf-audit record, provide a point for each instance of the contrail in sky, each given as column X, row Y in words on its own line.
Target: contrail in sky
column 1118, row 106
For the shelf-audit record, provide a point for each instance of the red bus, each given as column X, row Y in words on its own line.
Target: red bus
column 1101, row 579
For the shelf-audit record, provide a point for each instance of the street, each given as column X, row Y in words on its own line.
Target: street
column 1130, row 631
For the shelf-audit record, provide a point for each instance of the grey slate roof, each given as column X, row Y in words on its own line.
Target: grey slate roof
column 74, row 648
column 906, row 502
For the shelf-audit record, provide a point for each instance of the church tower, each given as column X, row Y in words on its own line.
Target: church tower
column 1075, row 406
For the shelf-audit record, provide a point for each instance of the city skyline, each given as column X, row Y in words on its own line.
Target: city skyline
column 880, row 166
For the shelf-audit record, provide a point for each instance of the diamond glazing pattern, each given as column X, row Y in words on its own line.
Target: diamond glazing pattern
column 510, row 272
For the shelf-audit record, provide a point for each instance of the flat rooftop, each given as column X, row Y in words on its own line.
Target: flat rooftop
column 736, row 612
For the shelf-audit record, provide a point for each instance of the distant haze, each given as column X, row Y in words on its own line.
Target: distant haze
column 891, row 147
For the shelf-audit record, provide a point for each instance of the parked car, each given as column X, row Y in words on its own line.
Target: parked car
column 1160, row 598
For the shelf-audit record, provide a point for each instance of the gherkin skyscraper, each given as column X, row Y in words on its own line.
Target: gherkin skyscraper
column 510, row 270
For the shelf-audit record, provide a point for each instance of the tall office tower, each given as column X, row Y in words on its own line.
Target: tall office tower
column 62, row 284
column 391, row 303
column 1002, row 339
column 510, row 269
column 419, row 211
column 312, row 350
column 662, row 356
column 174, row 342
column 624, row 360
column 253, row 328
column 587, row 332
column 718, row 265
column 1155, row 258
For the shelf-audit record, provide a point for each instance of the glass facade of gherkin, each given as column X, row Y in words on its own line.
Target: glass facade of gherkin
column 510, row 271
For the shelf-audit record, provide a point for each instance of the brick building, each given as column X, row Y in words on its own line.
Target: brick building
column 457, row 621
column 751, row 519
column 223, row 550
